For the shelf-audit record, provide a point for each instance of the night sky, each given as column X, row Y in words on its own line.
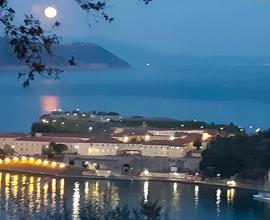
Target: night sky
column 191, row 27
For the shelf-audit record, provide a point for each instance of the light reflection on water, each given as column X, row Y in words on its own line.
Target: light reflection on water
column 196, row 195
column 230, row 196
column 145, row 191
column 76, row 202
column 49, row 103
column 218, row 194
column 185, row 92
column 176, row 196
column 32, row 196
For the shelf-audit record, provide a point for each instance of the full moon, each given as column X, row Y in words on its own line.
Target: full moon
column 50, row 12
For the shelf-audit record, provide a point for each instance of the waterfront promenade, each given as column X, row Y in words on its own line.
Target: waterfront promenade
column 51, row 168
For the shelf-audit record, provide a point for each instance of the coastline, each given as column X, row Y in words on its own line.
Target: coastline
column 220, row 183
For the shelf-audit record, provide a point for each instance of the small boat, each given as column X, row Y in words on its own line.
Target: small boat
column 264, row 192
column 264, row 196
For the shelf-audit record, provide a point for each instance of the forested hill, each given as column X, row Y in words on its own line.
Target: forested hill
column 87, row 55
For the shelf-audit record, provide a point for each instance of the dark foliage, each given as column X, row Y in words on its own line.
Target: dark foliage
column 31, row 42
column 248, row 156
column 197, row 143
column 6, row 150
column 146, row 211
column 60, row 148
column 95, row 211
column 54, row 149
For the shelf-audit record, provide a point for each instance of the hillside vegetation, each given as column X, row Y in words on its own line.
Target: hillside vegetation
column 245, row 156
column 87, row 55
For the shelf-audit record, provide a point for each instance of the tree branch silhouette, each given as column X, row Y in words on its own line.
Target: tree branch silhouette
column 31, row 43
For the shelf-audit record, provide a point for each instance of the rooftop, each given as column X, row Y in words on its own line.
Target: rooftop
column 49, row 139
column 103, row 139
column 12, row 134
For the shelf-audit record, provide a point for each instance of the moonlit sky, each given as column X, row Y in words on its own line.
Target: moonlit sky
column 190, row 27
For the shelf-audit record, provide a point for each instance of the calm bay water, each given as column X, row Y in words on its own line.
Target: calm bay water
column 239, row 94
column 33, row 196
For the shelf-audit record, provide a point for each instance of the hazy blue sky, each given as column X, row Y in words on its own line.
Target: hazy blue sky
column 197, row 27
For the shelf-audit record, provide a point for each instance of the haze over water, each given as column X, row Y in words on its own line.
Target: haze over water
column 220, row 94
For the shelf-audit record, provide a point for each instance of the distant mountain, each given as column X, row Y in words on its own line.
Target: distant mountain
column 87, row 56
column 139, row 55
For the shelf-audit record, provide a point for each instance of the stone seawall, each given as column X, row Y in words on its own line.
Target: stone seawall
column 136, row 164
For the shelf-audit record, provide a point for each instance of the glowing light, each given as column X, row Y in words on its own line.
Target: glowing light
column 7, row 160
column 147, row 137
column 258, row 130
column 45, row 194
column 174, row 187
column 45, row 162
column 62, row 165
column 218, row 202
column 86, row 191
column 38, row 190
column 15, row 158
column 53, row 193
column 196, row 195
column 172, row 138
column 31, row 159
column 230, row 195
column 206, row 136
column 145, row 191
column 24, row 158
column 197, row 189
column 218, row 193
column 1, row 161
column 39, row 161
column 50, row 12
column 49, row 103
column 53, row 164
column 126, row 139
column 76, row 201
column 146, row 172
column 62, row 191
column 231, row 183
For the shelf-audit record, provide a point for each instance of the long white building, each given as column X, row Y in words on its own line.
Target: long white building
column 131, row 143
